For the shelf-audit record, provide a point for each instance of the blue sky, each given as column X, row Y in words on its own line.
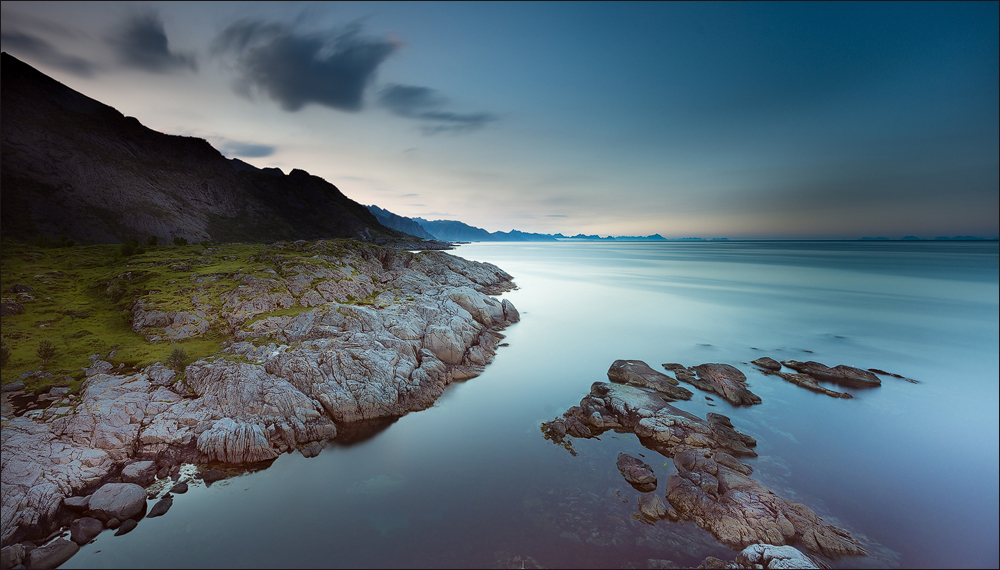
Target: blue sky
column 813, row 120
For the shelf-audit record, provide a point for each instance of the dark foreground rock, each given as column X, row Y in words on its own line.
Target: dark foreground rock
column 161, row 507
column 117, row 501
column 126, row 527
column 638, row 373
column 85, row 529
column 726, row 381
column 712, row 488
column 180, row 488
column 841, row 374
column 78, row 504
column 637, row 473
column 52, row 554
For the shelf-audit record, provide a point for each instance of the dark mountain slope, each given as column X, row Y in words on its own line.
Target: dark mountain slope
column 72, row 166
column 401, row 223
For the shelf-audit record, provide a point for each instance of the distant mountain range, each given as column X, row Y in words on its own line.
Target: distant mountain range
column 455, row 231
column 76, row 168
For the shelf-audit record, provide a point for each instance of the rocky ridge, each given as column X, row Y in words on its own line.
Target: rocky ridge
column 306, row 355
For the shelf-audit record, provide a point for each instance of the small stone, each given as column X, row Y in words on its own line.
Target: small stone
column 161, row 507
column 180, row 488
column 113, row 523
column 637, row 473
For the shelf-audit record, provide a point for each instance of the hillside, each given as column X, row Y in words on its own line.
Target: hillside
column 74, row 167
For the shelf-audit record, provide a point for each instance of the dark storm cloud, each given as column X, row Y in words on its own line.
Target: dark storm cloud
column 423, row 103
column 34, row 47
column 245, row 149
column 142, row 42
column 295, row 69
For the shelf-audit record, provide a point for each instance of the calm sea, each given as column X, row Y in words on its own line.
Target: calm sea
column 911, row 469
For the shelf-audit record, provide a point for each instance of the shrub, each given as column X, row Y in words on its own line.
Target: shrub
column 46, row 350
column 177, row 359
column 180, row 241
column 206, row 243
column 131, row 247
column 4, row 356
column 152, row 240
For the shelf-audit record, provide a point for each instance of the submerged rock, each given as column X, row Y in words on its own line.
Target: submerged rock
column 180, row 488
column 638, row 373
column 652, row 506
column 637, row 473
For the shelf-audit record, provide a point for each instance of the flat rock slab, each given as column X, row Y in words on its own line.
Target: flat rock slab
column 638, row 373
column 841, row 374
column 52, row 554
column 118, row 500
column 637, row 473
column 180, row 488
column 85, row 529
column 728, row 382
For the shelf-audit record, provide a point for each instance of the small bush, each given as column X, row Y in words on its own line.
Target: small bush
column 152, row 240
column 177, row 359
column 206, row 243
column 4, row 356
column 46, row 350
column 180, row 241
column 131, row 247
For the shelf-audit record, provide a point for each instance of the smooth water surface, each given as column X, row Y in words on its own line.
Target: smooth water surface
column 910, row 469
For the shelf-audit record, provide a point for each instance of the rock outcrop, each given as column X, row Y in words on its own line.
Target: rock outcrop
column 722, row 379
column 712, row 487
column 841, row 374
column 638, row 373
column 426, row 320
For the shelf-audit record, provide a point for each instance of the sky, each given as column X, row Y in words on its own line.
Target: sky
column 739, row 120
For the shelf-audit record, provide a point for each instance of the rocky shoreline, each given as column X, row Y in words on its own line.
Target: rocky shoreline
column 304, row 358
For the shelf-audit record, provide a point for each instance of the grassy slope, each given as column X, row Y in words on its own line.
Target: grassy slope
column 82, row 294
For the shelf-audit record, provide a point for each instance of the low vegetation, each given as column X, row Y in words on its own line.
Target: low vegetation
column 64, row 304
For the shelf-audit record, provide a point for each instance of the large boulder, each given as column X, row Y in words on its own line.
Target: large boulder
column 118, row 500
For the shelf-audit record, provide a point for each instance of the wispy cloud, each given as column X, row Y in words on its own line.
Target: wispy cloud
column 245, row 149
column 423, row 103
column 294, row 69
column 30, row 45
column 142, row 42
